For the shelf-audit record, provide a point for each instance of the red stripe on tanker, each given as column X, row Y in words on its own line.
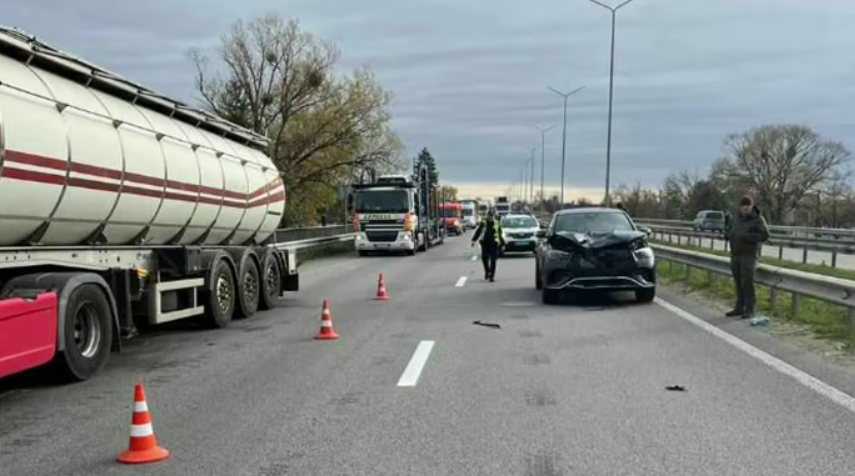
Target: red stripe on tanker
column 81, row 160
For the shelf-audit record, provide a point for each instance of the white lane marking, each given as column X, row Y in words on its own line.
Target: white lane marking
column 843, row 399
column 461, row 281
column 518, row 303
column 474, row 258
column 417, row 363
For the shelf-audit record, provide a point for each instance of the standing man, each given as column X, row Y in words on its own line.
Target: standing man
column 490, row 233
column 745, row 234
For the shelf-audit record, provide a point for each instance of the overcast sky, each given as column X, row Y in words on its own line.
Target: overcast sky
column 470, row 77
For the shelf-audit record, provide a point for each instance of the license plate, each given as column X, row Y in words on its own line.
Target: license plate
column 522, row 243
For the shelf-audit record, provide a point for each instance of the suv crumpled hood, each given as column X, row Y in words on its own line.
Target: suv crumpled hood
column 575, row 241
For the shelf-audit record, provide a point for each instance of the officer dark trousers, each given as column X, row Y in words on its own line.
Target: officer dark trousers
column 489, row 256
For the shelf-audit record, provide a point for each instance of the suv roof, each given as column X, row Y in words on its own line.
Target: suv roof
column 573, row 211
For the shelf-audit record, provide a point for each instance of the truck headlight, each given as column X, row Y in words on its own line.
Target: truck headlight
column 644, row 257
column 360, row 236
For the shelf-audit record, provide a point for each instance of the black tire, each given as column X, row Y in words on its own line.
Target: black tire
column 362, row 253
column 645, row 295
column 249, row 289
column 538, row 280
column 222, row 297
column 271, row 283
column 411, row 252
column 549, row 296
column 87, row 352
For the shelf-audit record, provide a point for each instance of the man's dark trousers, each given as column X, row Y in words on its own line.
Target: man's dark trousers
column 489, row 256
column 742, row 267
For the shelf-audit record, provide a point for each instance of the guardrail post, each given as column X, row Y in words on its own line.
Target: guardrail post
column 781, row 252
column 804, row 256
column 850, row 321
column 796, row 304
column 773, row 297
column 712, row 244
column 834, row 259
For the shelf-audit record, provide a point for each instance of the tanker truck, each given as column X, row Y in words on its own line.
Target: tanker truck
column 121, row 208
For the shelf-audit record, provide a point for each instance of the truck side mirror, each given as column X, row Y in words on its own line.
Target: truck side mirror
column 350, row 203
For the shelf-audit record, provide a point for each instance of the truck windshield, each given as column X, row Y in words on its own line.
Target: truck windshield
column 449, row 213
column 468, row 212
column 385, row 201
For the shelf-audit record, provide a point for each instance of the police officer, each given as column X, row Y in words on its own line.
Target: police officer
column 490, row 233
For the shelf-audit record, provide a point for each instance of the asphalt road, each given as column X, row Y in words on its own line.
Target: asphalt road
column 559, row 390
column 844, row 261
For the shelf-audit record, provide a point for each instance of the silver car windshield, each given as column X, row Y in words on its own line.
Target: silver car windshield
column 520, row 222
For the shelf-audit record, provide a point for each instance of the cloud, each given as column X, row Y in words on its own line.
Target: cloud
column 470, row 78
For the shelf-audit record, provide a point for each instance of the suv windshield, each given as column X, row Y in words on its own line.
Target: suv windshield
column 520, row 222
column 592, row 222
column 386, row 201
column 714, row 216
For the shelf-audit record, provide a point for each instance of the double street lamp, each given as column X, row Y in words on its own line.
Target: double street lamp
column 613, row 11
column 564, row 135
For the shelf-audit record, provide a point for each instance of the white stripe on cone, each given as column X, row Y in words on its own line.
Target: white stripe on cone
column 140, row 407
column 141, row 431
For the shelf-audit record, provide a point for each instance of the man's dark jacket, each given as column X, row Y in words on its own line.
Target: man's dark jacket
column 746, row 233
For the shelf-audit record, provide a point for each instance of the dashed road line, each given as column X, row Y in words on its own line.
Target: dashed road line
column 411, row 374
column 460, row 281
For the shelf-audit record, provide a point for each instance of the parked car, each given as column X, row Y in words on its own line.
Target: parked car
column 594, row 249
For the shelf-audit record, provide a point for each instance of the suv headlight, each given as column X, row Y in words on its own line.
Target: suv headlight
column 644, row 257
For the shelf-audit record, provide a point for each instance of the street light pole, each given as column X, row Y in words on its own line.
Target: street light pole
column 543, row 132
column 613, row 11
column 564, row 135
column 531, row 178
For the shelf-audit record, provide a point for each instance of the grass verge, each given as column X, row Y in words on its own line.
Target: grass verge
column 821, row 320
column 822, row 269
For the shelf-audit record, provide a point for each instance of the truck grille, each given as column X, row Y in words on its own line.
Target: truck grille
column 384, row 235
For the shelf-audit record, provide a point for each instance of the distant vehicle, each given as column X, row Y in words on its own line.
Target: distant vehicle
column 503, row 206
column 520, row 233
column 594, row 249
column 452, row 217
column 709, row 220
column 470, row 214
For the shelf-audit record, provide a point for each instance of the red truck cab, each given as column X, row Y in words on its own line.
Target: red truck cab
column 452, row 217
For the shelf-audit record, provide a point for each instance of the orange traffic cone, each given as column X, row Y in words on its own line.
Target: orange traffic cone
column 381, row 290
column 143, row 445
column 327, row 332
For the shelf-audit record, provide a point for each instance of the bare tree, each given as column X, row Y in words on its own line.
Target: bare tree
column 782, row 163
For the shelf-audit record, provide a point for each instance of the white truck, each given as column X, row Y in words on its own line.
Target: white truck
column 122, row 208
column 396, row 213
column 503, row 206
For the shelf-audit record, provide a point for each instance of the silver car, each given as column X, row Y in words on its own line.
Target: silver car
column 519, row 232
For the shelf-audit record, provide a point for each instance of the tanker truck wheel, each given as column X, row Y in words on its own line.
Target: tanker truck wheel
column 271, row 282
column 222, row 296
column 249, row 287
column 88, row 330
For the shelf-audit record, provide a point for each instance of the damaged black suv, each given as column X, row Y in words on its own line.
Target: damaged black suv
column 594, row 249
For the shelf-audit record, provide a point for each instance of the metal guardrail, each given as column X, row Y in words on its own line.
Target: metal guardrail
column 286, row 235
column 803, row 246
column 836, row 291
column 795, row 231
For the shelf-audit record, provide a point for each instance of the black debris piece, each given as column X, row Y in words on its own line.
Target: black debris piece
column 487, row 324
column 676, row 388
